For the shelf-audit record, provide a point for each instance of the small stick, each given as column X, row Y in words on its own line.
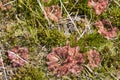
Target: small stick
column 43, row 11
column 116, row 3
column 9, row 3
column 70, row 18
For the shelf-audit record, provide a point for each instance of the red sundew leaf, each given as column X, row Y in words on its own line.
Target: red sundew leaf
column 91, row 3
column 59, row 51
column 99, row 5
column 6, row 7
column 15, row 49
column 98, row 9
column 18, row 62
column 65, row 51
column 62, row 70
column 80, row 58
column 65, row 60
column 11, row 55
column 76, row 69
column 23, row 53
column 77, row 49
column 106, row 29
column 53, row 66
column 18, row 55
column 53, row 12
column 99, row 24
column 94, row 58
column 1, row 6
column 52, row 57
column 71, row 51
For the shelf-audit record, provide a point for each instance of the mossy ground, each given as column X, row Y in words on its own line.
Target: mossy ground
column 24, row 24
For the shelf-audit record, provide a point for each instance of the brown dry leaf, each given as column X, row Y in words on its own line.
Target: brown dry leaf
column 94, row 58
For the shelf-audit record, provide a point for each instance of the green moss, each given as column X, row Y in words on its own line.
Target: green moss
column 81, row 6
column 51, row 37
column 93, row 40
column 110, row 56
column 115, row 14
column 30, row 73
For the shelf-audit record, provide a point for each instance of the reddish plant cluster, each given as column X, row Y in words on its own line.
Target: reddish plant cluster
column 106, row 29
column 53, row 12
column 98, row 5
column 94, row 58
column 4, row 7
column 18, row 56
column 65, row 60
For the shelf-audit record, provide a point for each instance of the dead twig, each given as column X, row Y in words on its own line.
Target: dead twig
column 71, row 18
column 42, row 8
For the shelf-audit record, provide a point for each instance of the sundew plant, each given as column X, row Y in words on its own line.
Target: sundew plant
column 59, row 39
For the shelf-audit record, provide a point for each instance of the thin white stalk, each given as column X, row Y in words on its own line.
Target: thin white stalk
column 82, row 34
column 9, row 3
column 19, row 57
column 74, row 5
column 70, row 18
column 87, row 27
column 40, row 52
column 91, row 71
column 114, row 76
column 61, row 14
column 88, row 23
column 90, row 15
column 116, row 3
column 42, row 8
column 76, row 15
